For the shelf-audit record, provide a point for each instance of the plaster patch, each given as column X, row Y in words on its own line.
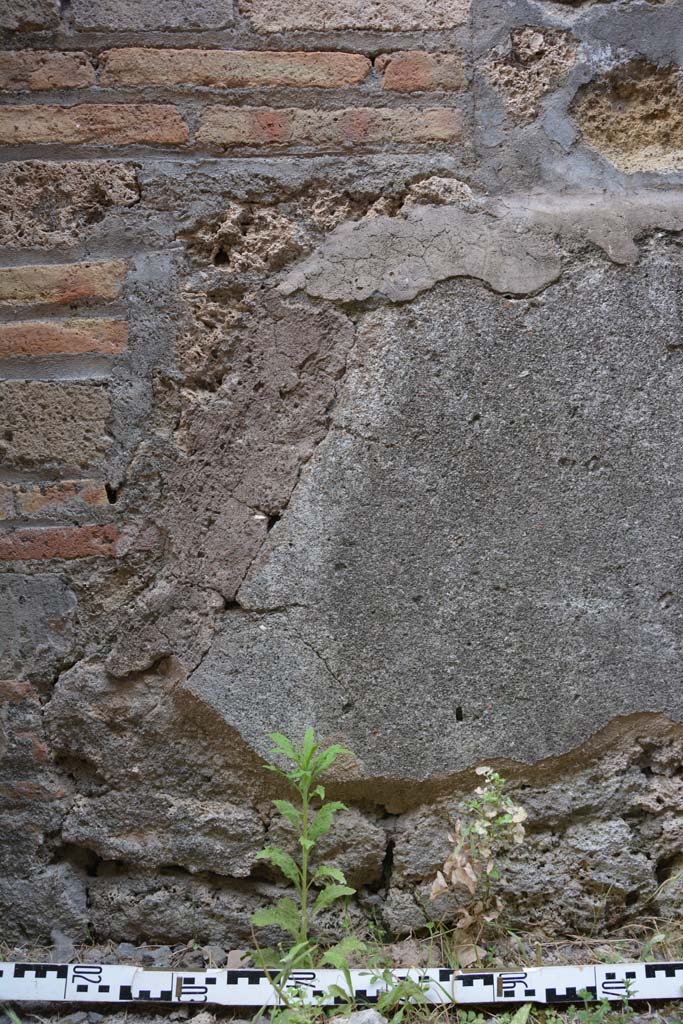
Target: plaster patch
column 510, row 243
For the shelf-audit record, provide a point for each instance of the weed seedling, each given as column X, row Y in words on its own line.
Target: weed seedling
column 311, row 817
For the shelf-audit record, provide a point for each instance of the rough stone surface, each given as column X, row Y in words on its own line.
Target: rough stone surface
column 530, row 66
column 30, row 15
column 209, row 836
column 27, row 782
column 633, row 117
column 438, row 191
column 120, row 15
column 50, row 204
column 385, row 15
column 46, row 423
column 56, row 893
column 36, row 625
column 168, row 907
column 581, row 863
column 356, row 845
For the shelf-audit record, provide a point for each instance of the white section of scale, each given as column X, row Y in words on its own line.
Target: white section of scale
column 118, row 983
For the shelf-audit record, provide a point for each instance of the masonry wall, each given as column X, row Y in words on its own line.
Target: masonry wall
column 341, row 364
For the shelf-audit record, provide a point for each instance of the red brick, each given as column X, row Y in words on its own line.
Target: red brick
column 231, row 69
column 26, row 501
column 109, row 124
column 34, row 70
column 225, row 127
column 416, row 71
column 59, row 542
column 62, row 337
column 61, row 282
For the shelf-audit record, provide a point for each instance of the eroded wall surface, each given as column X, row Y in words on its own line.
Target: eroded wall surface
column 342, row 359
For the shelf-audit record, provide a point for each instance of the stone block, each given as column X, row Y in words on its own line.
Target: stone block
column 47, row 423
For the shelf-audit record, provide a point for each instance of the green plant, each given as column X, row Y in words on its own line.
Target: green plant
column 491, row 823
column 401, row 997
column 600, row 1013
column 311, row 820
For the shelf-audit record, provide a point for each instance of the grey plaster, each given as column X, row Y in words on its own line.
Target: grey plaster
column 482, row 557
column 509, row 243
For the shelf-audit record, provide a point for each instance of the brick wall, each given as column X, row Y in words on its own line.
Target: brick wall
column 122, row 128
column 114, row 81
column 339, row 385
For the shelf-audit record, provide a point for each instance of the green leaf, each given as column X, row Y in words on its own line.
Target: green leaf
column 306, row 844
column 401, row 991
column 327, row 757
column 319, row 791
column 338, row 955
column 300, row 955
column 283, row 745
column 265, row 956
column 329, row 894
column 283, row 861
column 285, row 915
column 309, row 748
column 288, row 811
column 339, row 993
column 327, row 871
column 522, row 1015
column 322, row 823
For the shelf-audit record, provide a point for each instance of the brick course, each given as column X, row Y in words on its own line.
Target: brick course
column 29, row 15
column 382, row 15
column 41, row 69
column 65, row 337
column 30, row 501
column 232, row 68
column 415, row 71
column 108, row 124
column 142, row 15
column 61, row 283
column 223, row 127
column 58, row 542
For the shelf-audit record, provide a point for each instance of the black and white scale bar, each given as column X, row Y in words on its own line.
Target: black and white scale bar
column 118, row 983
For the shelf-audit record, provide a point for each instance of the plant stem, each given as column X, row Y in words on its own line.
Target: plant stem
column 303, row 935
